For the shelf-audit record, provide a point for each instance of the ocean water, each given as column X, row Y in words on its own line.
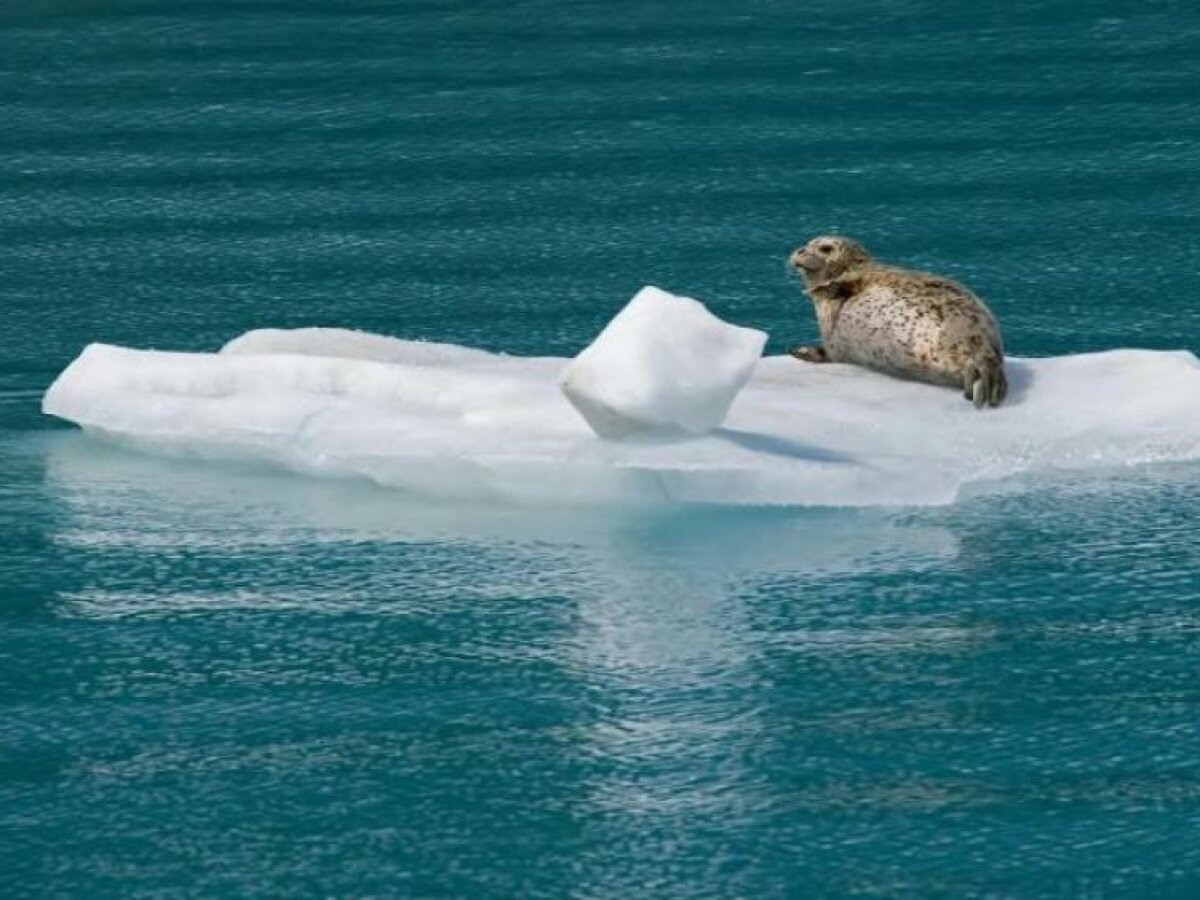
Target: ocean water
column 223, row 681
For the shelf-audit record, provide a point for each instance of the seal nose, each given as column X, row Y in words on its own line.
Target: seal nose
column 796, row 256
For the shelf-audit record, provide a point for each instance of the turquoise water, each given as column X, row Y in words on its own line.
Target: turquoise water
column 221, row 682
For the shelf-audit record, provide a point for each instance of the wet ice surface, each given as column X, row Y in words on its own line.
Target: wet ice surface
column 459, row 423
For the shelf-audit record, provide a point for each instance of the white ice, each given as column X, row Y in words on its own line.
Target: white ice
column 448, row 421
column 664, row 364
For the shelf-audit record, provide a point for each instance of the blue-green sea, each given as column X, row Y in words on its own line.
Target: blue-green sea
column 231, row 682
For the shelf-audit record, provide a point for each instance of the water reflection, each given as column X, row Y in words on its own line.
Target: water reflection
column 666, row 688
column 123, row 502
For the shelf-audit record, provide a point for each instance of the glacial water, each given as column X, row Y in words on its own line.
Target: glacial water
column 222, row 680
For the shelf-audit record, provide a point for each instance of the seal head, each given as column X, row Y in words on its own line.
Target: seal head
column 826, row 258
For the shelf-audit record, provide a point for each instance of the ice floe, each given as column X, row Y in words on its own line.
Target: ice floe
column 454, row 422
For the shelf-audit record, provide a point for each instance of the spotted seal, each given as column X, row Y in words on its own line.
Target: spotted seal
column 904, row 323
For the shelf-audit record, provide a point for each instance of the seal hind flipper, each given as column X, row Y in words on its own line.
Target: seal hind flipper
column 970, row 379
column 986, row 384
column 999, row 387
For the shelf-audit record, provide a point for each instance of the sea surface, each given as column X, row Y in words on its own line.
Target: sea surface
column 225, row 682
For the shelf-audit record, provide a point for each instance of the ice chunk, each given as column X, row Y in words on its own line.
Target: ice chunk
column 478, row 426
column 664, row 363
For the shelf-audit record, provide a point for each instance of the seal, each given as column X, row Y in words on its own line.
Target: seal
column 908, row 324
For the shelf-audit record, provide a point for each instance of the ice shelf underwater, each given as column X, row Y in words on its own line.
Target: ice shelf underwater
column 454, row 422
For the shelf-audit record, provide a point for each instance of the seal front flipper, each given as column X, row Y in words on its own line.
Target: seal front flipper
column 813, row 354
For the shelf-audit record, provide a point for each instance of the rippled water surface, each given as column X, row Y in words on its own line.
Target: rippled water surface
column 222, row 682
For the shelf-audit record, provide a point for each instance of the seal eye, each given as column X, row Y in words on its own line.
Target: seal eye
column 825, row 248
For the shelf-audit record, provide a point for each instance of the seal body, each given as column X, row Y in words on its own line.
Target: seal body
column 907, row 324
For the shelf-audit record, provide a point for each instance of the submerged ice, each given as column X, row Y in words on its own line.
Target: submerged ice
column 449, row 421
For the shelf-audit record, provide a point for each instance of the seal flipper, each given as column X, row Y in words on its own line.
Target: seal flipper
column 813, row 354
column 970, row 379
column 984, row 382
column 999, row 387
